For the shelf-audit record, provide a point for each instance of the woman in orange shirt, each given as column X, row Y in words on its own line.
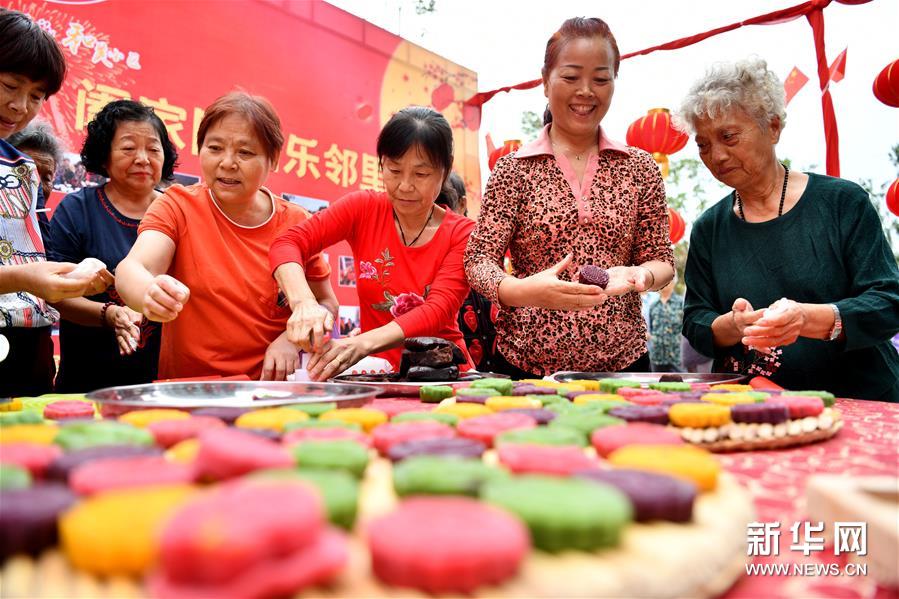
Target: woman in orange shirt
column 211, row 286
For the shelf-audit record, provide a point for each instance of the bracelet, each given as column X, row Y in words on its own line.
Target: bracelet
column 103, row 314
column 837, row 329
column 652, row 274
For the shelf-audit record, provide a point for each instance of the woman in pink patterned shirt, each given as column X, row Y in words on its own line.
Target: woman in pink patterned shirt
column 570, row 198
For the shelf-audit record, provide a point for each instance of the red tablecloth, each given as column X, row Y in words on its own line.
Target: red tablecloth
column 867, row 445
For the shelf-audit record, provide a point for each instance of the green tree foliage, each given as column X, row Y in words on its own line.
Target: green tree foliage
column 424, row 7
column 531, row 124
column 687, row 188
column 690, row 189
column 877, row 194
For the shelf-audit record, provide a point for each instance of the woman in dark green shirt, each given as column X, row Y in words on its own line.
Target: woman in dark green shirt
column 790, row 276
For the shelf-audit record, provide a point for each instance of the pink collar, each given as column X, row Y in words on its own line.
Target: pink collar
column 542, row 145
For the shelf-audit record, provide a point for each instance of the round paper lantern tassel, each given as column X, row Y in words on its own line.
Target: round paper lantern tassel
column 662, row 161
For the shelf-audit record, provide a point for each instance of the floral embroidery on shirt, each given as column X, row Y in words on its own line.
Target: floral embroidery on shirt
column 405, row 302
column 396, row 304
column 381, row 274
column 367, row 271
column 370, row 271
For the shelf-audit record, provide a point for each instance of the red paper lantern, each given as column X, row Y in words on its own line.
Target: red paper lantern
column 509, row 146
column 893, row 197
column 677, row 225
column 886, row 84
column 657, row 135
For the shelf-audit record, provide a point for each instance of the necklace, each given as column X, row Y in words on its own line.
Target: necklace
column 783, row 195
column 271, row 215
column 577, row 157
column 403, row 234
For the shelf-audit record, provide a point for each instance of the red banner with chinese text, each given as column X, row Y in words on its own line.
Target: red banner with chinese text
column 333, row 78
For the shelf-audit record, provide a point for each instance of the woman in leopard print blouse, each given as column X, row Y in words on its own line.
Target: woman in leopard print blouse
column 570, row 198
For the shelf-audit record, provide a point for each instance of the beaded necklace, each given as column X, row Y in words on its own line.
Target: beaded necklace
column 783, row 195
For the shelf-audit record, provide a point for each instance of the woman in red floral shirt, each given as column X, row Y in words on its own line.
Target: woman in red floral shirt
column 408, row 252
column 570, row 198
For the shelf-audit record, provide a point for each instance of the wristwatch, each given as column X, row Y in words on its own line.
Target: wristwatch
column 837, row 329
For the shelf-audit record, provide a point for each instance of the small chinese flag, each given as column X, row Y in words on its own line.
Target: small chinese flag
column 838, row 68
column 794, row 82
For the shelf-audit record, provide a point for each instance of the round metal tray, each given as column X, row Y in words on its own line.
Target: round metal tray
column 401, row 388
column 645, row 378
column 228, row 394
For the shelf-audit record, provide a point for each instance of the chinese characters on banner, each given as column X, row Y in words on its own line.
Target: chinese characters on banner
column 77, row 38
column 343, row 167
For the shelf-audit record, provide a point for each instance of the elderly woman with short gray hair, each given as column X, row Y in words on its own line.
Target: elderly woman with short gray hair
column 38, row 141
column 789, row 276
